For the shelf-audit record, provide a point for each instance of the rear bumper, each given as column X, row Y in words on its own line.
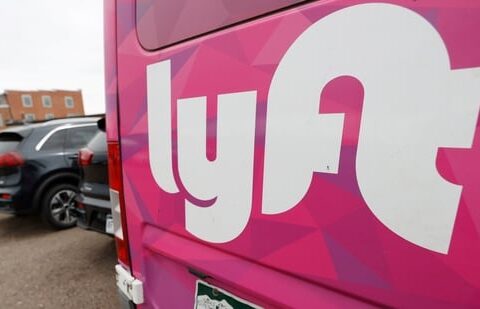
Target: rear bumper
column 11, row 201
column 92, row 212
column 130, row 289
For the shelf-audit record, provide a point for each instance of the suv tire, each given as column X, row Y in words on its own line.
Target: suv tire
column 57, row 204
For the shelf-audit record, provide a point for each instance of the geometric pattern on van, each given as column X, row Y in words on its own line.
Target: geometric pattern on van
column 331, row 237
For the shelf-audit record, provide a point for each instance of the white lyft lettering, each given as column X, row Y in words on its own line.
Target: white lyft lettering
column 414, row 104
column 228, row 179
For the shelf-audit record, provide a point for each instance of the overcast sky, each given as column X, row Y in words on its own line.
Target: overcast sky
column 53, row 44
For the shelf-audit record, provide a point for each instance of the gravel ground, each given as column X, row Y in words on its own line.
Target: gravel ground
column 43, row 268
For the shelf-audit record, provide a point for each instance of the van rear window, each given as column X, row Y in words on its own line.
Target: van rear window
column 165, row 22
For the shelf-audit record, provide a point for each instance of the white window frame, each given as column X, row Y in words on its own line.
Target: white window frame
column 49, row 116
column 26, row 117
column 47, row 103
column 66, row 99
column 24, row 97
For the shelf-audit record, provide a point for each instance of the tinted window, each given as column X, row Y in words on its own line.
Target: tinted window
column 9, row 141
column 164, row 22
column 80, row 136
column 55, row 142
column 98, row 142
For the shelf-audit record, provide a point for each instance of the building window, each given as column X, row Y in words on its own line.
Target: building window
column 27, row 100
column 3, row 101
column 49, row 116
column 72, row 114
column 69, row 102
column 30, row 117
column 47, row 101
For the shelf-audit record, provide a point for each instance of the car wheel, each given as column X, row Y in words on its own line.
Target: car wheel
column 57, row 206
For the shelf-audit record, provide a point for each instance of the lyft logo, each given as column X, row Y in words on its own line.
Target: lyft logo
column 414, row 104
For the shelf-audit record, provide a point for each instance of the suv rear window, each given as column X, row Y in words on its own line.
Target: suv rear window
column 9, row 141
column 165, row 22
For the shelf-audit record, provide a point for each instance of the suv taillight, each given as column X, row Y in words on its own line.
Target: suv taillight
column 118, row 204
column 11, row 159
column 85, row 157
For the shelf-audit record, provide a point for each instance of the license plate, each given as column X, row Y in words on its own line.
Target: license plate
column 210, row 297
column 109, row 225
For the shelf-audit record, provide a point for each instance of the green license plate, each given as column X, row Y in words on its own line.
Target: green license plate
column 210, row 297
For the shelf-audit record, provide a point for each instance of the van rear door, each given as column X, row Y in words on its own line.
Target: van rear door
column 312, row 154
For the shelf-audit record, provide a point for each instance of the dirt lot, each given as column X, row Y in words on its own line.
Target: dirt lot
column 42, row 268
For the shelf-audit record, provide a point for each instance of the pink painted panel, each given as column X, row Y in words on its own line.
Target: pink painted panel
column 330, row 248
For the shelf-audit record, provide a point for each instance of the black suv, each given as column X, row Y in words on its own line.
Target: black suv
column 94, row 211
column 38, row 170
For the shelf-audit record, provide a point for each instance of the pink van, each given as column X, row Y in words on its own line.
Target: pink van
column 295, row 154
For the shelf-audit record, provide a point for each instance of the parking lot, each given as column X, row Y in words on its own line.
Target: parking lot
column 43, row 268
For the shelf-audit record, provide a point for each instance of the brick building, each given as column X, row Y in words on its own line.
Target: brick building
column 19, row 106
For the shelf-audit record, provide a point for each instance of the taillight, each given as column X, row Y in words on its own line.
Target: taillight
column 11, row 159
column 114, row 166
column 85, row 157
column 5, row 196
column 118, row 204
